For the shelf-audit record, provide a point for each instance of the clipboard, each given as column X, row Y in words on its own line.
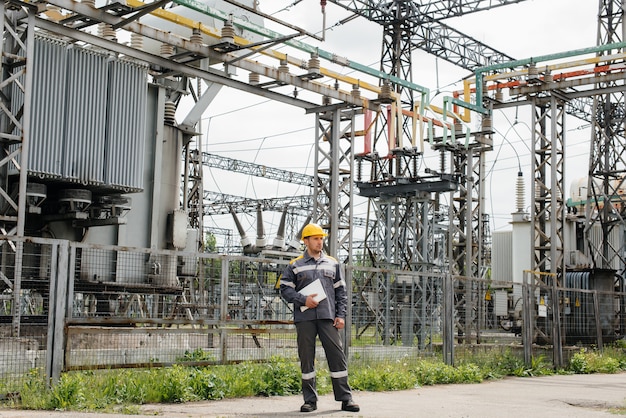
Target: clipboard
column 312, row 288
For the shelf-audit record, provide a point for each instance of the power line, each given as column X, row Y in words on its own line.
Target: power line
column 230, row 142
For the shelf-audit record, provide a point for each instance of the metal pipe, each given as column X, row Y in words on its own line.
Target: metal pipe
column 218, row 14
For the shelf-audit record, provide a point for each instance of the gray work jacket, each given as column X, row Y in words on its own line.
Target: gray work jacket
column 301, row 272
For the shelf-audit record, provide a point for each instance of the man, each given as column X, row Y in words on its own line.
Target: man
column 315, row 316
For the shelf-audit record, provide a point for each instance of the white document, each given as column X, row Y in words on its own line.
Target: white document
column 313, row 288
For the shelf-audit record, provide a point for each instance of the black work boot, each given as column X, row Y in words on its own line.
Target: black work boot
column 350, row 406
column 308, row 407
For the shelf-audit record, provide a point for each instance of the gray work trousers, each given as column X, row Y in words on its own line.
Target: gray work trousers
column 331, row 342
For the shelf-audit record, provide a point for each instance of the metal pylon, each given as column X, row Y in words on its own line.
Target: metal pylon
column 607, row 160
column 547, row 197
column 193, row 192
column 18, row 24
column 465, row 243
column 333, row 188
column 547, row 201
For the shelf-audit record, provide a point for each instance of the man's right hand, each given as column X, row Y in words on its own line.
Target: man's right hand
column 311, row 302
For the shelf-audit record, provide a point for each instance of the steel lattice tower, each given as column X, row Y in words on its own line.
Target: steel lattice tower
column 333, row 180
column 607, row 160
column 607, row 165
column 18, row 25
column 393, row 243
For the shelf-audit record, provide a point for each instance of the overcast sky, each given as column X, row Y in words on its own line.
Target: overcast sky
column 253, row 129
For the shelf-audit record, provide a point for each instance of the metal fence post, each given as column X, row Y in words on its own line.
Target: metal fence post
column 16, row 306
column 59, row 278
column 527, row 325
column 557, row 343
column 448, row 320
column 224, row 307
column 347, row 331
column 596, row 313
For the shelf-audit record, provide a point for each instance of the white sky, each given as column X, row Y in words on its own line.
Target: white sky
column 253, row 129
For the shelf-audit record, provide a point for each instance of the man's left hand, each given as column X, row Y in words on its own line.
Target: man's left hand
column 339, row 323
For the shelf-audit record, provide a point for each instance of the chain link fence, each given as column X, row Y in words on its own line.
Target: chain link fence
column 72, row 306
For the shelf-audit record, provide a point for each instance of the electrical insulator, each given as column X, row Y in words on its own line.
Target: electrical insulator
column 136, row 41
column 533, row 73
column 170, row 113
column 283, row 67
column 167, row 50
column 106, row 31
column 228, row 33
column 548, row 78
column 458, row 128
column 385, row 92
column 196, row 36
column 442, row 162
column 314, row 64
column 486, row 124
column 519, row 192
column 254, row 78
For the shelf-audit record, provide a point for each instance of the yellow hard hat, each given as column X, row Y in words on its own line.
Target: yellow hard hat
column 312, row 229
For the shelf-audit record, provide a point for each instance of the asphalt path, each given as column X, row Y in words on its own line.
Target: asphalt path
column 571, row 396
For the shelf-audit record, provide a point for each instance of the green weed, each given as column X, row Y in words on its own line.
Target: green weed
column 122, row 391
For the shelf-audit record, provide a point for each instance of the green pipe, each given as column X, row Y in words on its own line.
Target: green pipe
column 518, row 63
column 218, row 14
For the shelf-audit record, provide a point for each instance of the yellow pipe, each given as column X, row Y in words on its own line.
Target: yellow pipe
column 467, row 98
column 553, row 67
column 215, row 33
column 396, row 112
column 400, row 122
column 465, row 117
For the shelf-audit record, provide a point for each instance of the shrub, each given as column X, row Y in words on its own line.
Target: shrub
column 591, row 361
column 123, row 390
column 382, row 377
column 68, row 393
column 278, row 377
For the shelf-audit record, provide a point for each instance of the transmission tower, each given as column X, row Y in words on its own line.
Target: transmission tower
column 17, row 76
column 607, row 161
column 607, row 164
column 399, row 219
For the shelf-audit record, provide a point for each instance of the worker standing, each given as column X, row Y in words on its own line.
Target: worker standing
column 322, row 314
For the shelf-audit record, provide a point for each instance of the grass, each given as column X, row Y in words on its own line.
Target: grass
column 122, row 391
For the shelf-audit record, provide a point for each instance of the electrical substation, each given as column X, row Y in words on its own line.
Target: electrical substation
column 118, row 252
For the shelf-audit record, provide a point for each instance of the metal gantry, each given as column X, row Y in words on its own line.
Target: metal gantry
column 607, row 164
column 334, row 182
column 410, row 25
column 466, row 232
column 407, row 26
column 402, row 198
column 422, row 27
column 18, row 25
column 73, row 21
column 548, row 215
column 607, row 161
